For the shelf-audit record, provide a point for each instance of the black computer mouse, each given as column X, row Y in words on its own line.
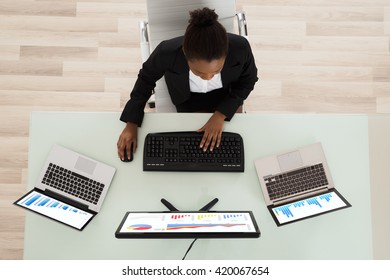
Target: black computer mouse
column 126, row 159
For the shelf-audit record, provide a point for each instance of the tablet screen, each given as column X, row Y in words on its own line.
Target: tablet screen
column 55, row 209
column 308, row 207
column 188, row 224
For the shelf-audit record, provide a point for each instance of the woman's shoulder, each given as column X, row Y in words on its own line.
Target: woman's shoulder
column 171, row 45
column 169, row 52
column 239, row 47
column 237, row 40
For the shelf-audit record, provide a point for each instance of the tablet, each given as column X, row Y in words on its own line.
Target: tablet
column 38, row 202
column 212, row 224
column 308, row 207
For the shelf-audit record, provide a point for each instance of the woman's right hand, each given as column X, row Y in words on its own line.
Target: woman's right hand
column 127, row 140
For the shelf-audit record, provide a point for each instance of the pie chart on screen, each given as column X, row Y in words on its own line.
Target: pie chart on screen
column 139, row 227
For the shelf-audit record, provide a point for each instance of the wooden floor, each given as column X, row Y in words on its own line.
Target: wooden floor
column 83, row 55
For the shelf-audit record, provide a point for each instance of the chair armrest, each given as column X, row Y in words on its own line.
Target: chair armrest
column 242, row 26
column 144, row 40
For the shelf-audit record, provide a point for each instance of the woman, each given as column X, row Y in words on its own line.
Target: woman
column 206, row 70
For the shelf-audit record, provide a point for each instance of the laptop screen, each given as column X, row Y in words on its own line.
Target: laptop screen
column 308, row 207
column 55, row 209
column 187, row 225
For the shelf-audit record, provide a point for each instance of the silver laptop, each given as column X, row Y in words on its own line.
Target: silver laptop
column 297, row 184
column 71, row 188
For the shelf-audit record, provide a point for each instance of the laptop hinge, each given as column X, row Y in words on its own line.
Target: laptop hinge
column 300, row 196
column 67, row 200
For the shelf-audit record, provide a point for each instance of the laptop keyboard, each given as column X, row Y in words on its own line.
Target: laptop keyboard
column 297, row 181
column 73, row 183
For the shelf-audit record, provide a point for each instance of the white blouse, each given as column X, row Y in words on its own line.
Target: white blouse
column 197, row 84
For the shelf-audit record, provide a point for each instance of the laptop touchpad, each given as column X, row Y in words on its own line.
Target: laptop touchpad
column 85, row 165
column 290, row 161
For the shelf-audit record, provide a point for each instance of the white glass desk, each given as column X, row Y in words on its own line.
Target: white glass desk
column 344, row 234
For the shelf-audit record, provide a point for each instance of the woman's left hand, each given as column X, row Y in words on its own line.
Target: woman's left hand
column 212, row 131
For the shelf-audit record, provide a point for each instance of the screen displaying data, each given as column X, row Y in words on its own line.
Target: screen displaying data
column 187, row 222
column 309, row 207
column 55, row 209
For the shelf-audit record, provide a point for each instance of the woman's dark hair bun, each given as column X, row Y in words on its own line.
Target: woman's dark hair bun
column 203, row 17
column 205, row 37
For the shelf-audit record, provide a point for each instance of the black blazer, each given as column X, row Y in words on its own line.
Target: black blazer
column 239, row 75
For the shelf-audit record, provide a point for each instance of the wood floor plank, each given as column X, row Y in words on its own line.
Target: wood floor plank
column 306, row 104
column 24, row 176
column 383, row 105
column 322, row 58
column 100, row 69
column 108, row 9
column 274, row 42
column 124, row 55
column 316, row 3
column 381, row 74
column 11, row 244
column 121, row 85
column 59, row 23
column 11, row 52
column 44, row 38
column 122, row 39
column 313, row 13
column 267, row 88
column 51, row 83
column 277, row 28
column 387, row 12
column 14, row 221
column 70, row 99
column 381, row 89
column 328, row 89
column 14, row 150
column 58, row 53
column 130, row 24
column 47, row 68
column 386, row 30
column 31, row 7
column 10, row 175
column 338, row 43
column 317, row 73
column 346, row 29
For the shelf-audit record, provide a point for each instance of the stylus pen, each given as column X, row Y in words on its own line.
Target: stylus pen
column 168, row 205
column 209, row 205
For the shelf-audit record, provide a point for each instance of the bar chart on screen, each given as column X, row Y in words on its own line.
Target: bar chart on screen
column 55, row 209
column 209, row 222
column 309, row 207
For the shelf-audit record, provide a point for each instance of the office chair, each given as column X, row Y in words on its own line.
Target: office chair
column 168, row 19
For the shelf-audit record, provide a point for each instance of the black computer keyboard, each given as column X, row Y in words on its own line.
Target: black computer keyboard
column 180, row 151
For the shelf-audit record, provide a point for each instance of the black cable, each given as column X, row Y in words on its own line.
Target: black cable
column 189, row 248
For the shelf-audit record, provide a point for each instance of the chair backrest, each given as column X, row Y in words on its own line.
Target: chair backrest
column 168, row 19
